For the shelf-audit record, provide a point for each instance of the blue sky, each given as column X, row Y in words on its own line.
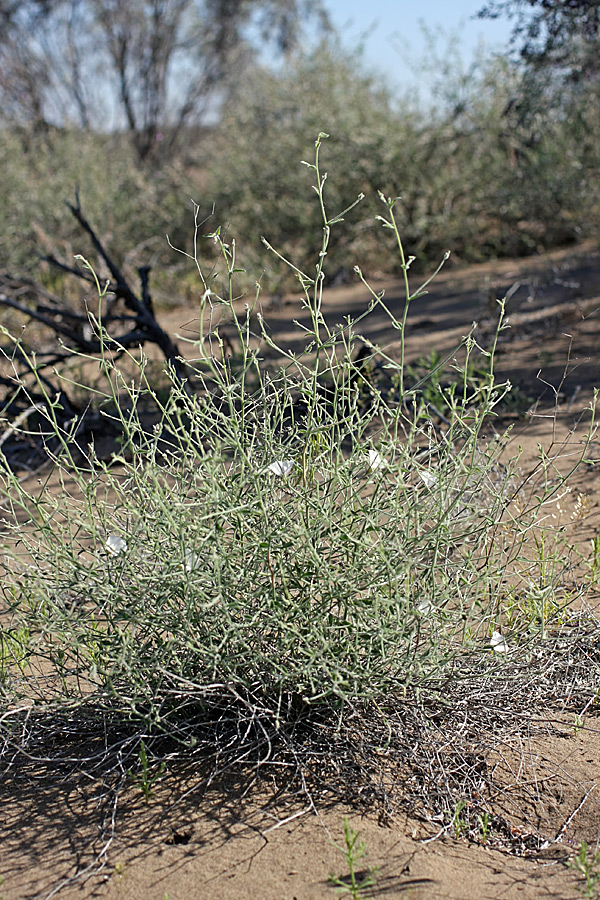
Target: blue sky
column 394, row 42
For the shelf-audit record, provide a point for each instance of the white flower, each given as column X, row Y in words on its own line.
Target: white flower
column 376, row 461
column 282, row 467
column 116, row 545
column 498, row 644
column 428, row 478
column 424, row 605
column 191, row 560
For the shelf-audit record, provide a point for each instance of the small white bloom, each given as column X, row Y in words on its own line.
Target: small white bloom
column 376, row 461
column 116, row 545
column 424, row 605
column 428, row 478
column 191, row 560
column 498, row 644
column 282, row 467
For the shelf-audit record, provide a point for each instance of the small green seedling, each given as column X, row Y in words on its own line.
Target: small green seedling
column 145, row 778
column 484, row 826
column 588, row 865
column 355, row 883
column 458, row 823
column 13, row 650
column 594, row 562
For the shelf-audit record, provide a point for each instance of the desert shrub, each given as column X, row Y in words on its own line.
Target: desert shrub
column 261, row 186
column 475, row 172
column 497, row 164
column 133, row 207
column 281, row 540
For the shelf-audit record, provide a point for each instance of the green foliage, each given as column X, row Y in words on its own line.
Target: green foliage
column 458, row 823
column 13, row 650
column 587, row 864
column 355, row 883
column 563, row 36
column 484, row 821
column 474, row 174
column 535, row 608
column 594, row 560
column 435, row 382
column 145, row 777
column 132, row 207
column 261, row 188
column 501, row 163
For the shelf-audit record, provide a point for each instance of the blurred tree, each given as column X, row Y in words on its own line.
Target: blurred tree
column 152, row 66
column 554, row 34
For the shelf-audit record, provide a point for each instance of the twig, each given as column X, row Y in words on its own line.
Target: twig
column 14, row 426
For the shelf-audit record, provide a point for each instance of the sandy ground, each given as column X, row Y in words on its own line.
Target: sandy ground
column 240, row 841
column 225, row 851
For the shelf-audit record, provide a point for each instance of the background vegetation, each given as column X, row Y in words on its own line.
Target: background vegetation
column 504, row 160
